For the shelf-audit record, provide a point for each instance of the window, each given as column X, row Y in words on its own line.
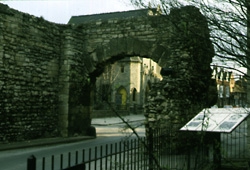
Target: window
column 122, row 69
column 134, row 95
column 105, row 95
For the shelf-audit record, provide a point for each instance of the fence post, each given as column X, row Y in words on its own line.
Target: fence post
column 150, row 148
column 31, row 163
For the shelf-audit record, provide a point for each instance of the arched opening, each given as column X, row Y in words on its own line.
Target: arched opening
column 125, row 70
column 121, row 98
column 134, row 96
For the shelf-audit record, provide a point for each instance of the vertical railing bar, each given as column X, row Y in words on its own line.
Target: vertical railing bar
column 244, row 136
column 228, row 141
column 76, row 158
column 120, row 155
column 43, row 163
column 239, row 142
column 159, row 146
column 141, row 150
column 95, row 157
column 83, row 155
column 144, row 153
column 106, row 157
column 52, row 162
column 135, row 156
column 156, row 146
column 90, row 158
column 124, row 155
column 139, row 153
column 136, row 153
column 69, row 159
column 101, row 157
column 231, row 139
column 61, row 161
column 128, row 154
column 147, row 154
column 131, row 152
column 242, row 146
column 115, row 155
column 111, row 151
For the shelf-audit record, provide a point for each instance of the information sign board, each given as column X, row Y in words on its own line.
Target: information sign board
column 217, row 120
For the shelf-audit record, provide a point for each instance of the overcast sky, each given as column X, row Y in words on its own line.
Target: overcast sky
column 60, row 11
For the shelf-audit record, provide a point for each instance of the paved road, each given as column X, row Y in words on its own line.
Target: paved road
column 17, row 159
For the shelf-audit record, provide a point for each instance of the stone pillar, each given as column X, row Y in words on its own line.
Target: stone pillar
column 63, row 105
column 183, row 92
column 79, row 85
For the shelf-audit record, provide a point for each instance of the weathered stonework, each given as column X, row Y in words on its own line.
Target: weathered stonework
column 48, row 70
column 35, row 62
column 188, row 87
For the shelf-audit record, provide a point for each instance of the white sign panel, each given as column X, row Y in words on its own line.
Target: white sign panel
column 217, row 120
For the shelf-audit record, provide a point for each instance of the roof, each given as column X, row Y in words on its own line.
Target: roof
column 106, row 16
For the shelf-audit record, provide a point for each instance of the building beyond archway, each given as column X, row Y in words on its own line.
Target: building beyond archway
column 134, row 74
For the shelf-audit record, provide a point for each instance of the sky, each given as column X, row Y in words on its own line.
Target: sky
column 60, row 11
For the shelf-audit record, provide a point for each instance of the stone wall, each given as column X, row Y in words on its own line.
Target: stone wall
column 35, row 59
column 29, row 68
column 187, row 86
column 48, row 70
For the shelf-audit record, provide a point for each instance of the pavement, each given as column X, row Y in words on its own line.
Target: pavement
column 61, row 140
column 115, row 120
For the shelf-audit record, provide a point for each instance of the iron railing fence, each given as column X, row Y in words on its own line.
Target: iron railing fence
column 234, row 144
column 129, row 155
column 187, row 152
column 159, row 151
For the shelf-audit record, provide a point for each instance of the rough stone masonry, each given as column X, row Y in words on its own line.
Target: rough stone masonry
column 48, row 70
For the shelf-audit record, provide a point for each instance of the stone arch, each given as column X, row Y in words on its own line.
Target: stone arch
column 168, row 49
column 118, row 48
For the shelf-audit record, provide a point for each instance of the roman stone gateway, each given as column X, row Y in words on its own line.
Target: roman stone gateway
column 48, row 70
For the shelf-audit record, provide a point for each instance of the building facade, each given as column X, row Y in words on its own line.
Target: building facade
column 232, row 88
column 124, row 85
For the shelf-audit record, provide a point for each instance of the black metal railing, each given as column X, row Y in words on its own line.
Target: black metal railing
column 176, row 153
column 161, row 149
column 129, row 154
column 157, row 153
